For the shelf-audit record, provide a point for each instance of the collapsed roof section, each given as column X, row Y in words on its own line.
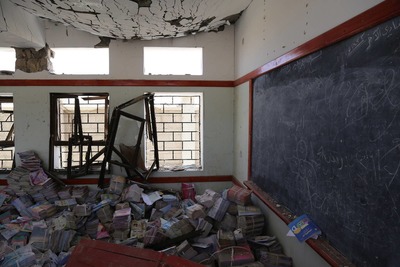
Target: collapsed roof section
column 140, row 19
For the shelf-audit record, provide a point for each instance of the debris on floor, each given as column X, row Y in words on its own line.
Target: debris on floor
column 42, row 221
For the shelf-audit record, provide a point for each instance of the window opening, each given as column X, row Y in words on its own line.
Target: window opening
column 7, row 162
column 173, row 60
column 8, row 58
column 128, row 156
column 78, row 135
column 81, row 61
column 179, row 131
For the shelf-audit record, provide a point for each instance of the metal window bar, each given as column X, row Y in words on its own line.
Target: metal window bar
column 74, row 140
column 132, row 170
column 7, row 128
column 195, row 136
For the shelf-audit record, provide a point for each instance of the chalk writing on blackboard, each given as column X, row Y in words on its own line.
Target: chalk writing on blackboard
column 326, row 141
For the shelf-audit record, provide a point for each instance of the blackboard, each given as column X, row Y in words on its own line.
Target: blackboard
column 326, row 142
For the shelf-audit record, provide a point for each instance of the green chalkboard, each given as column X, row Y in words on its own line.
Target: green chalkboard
column 326, row 142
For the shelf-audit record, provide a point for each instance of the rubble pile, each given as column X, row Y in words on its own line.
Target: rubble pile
column 42, row 221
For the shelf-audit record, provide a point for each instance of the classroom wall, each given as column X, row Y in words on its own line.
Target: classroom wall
column 267, row 30
column 32, row 121
column 32, row 102
column 241, row 131
column 301, row 253
column 126, row 57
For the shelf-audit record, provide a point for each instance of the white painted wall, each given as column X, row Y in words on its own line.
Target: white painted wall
column 241, row 131
column 18, row 28
column 269, row 28
column 218, row 52
column 301, row 253
column 126, row 57
column 32, row 121
column 126, row 62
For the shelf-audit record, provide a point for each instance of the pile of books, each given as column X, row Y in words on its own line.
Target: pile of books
column 80, row 193
column 208, row 198
column 91, row 226
column 29, row 160
column 65, row 193
column 40, row 237
column 82, row 210
column 23, row 256
column 179, row 228
column 105, row 215
column 49, row 189
column 204, row 228
column 122, row 219
column 19, row 181
column 60, row 240
column 239, row 195
column 235, row 256
column 42, row 211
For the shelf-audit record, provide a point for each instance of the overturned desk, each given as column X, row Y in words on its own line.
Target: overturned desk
column 102, row 254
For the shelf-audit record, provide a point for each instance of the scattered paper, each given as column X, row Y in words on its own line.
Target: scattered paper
column 149, row 199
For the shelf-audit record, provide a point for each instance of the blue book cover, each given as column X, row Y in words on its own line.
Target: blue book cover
column 304, row 228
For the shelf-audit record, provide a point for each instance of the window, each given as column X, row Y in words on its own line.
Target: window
column 179, row 131
column 80, row 61
column 77, row 134
column 6, row 133
column 7, row 62
column 173, row 60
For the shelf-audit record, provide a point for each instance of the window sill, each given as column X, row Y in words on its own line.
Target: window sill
column 180, row 168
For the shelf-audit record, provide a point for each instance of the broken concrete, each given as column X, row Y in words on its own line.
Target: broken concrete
column 140, row 19
column 29, row 60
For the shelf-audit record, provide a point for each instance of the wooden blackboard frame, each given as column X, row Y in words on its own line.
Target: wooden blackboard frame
column 372, row 17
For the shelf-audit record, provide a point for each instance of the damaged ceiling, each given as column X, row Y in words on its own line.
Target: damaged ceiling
column 139, row 19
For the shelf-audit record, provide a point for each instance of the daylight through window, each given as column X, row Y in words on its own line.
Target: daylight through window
column 179, row 131
column 7, row 59
column 173, row 60
column 6, row 132
column 80, row 61
column 93, row 109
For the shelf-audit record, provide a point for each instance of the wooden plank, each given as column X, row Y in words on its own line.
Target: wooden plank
column 89, row 256
column 95, row 253
column 175, row 261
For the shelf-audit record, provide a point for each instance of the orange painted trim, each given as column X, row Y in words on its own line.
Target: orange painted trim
column 151, row 180
column 378, row 14
column 83, row 181
column 188, row 179
column 75, row 82
column 322, row 247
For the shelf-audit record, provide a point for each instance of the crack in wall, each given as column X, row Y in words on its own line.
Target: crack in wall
column 4, row 19
column 77, row 12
